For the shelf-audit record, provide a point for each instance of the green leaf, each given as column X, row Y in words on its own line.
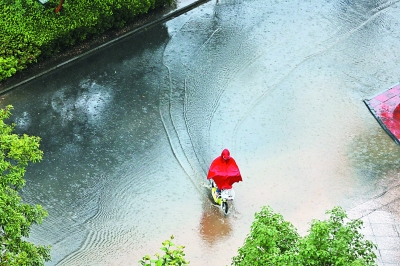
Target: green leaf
column 16, row 217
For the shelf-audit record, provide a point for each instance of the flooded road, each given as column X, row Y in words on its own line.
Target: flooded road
column 128, row 132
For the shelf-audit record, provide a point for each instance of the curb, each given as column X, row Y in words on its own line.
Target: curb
column 173, row 14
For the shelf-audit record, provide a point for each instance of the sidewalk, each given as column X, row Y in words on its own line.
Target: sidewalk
column 381, row 217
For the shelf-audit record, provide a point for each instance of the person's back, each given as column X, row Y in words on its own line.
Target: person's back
column 224, row 171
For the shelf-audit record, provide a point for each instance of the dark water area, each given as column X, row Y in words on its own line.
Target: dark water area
column 129, row 131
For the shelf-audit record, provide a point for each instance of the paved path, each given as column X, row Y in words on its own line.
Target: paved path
column 381, row 217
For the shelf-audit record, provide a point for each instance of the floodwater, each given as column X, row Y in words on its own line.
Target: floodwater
column 128, row 132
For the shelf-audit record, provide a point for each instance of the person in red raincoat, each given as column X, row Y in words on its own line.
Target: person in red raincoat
column 224, row 171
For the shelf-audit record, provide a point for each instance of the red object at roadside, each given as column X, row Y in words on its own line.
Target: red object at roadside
column 59, row 7
column 224, row 171
column 385, row 107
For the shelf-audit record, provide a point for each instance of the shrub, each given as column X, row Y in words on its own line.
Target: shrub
column 31, row 31
column 172, row 255
column 273, row 241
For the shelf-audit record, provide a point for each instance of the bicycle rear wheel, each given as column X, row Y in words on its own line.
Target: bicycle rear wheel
column 225, row 207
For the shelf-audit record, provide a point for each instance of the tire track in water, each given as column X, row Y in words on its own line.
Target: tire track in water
column 165, row 109
column 188, row 135
column 174, row 104
column 175, row 135
column 186, row 119
column 207, row 50
column 215, row 103
column 237, row 58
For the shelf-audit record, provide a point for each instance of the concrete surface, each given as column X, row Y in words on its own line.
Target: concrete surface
column 381, row 217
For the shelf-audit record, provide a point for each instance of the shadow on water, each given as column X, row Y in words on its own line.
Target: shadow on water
column 214, row 225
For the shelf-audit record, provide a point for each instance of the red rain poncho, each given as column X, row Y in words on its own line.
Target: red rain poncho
column 224, row 172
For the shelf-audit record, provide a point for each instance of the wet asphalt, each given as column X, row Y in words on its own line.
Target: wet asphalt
column 380, row 214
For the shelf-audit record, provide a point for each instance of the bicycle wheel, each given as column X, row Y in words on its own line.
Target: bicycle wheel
column 224, row 207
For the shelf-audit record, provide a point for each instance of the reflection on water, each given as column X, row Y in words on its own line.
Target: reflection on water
column 214, row 226
column 130, row 131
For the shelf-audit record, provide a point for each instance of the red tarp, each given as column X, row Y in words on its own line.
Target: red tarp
column 224, row 172
column 385, row 107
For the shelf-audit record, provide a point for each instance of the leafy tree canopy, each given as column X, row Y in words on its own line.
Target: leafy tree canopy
column 17, row 217
column 336, row 241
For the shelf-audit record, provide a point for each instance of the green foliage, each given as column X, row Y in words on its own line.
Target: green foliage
column 30, row 31
column 273, row 241
column 8, row 67
column 170, row 256
column 336, row 242
column 16, row 217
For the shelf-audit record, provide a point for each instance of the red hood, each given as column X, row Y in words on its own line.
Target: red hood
column 224, row 172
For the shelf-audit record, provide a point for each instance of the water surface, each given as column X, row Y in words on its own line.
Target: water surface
column 128, row 132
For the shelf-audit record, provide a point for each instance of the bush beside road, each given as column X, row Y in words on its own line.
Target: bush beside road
column 32, row 32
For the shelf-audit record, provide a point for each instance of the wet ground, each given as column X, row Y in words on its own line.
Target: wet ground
column 130, row 130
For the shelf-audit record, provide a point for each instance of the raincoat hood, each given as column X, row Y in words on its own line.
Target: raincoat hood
column 225, row 154
column 224, row 172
